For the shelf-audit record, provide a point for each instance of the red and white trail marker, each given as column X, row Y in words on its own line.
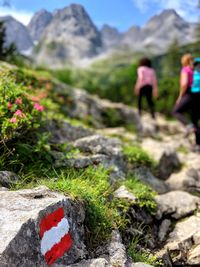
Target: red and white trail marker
column 55, row 236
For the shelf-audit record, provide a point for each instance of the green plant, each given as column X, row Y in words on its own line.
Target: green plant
column 142, row 256
column 145, row 195
column 137, row 156
column 18, row 111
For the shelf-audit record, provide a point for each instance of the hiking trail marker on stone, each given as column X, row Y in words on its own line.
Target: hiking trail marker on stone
column 55, row 236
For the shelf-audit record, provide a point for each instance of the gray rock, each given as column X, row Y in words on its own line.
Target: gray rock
column 3, row 189
column 176, row 204
column 97, row 144
column 148, row 178
column 21, row 215
column 169, row 162
column 8, row 179
column 81, row 161
column 148, row 127
column 90, row 263
column 63, row 132
column 194, row 256
column 123, row 193
column 100, row 111
column 187, row 180
column 141, row 264
column 184, row 235
column 164, row 229
column 117, row 251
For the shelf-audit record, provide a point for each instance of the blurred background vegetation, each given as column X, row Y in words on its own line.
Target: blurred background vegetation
column 114, row 78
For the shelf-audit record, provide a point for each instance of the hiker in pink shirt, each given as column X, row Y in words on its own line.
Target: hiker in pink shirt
column 146, row 85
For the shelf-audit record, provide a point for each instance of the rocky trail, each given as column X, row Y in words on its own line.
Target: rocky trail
column 172, row 233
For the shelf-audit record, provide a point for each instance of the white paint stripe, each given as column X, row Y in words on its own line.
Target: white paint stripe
column 54, row 235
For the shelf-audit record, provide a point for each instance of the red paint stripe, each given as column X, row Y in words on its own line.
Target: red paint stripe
column 58, row 250
column 51, row 220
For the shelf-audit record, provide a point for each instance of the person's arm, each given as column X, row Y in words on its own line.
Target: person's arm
column 183, row 85
column 155, row 85
column 137, row 85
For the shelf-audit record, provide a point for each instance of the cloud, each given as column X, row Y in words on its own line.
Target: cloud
column 21, row 15
column 185, row 8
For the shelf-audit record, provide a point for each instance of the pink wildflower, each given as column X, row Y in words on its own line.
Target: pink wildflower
column 38, row 107
column 9, row 105
column 42, row 95
column 13, row 120
column 34, row 98
column 19, row 113
column 18, row 101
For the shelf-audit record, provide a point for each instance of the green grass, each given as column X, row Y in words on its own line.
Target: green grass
column 90, row 185
column 137, row 156
column 143, row 256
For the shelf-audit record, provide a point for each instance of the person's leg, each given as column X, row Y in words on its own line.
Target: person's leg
column 149, row 97
column 196, row 116
column 183, row 106
column 140, row 101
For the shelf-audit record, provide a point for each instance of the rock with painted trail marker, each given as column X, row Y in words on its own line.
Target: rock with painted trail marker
column 39, row 227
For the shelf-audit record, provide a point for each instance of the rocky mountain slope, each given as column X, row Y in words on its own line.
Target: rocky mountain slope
column 119, row 197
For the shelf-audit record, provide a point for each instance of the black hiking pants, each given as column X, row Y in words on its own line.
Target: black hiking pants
column 196, row 115
column 183, row 106
column 146, row 91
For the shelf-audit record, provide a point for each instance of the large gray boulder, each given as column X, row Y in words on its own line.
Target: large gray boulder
column 183, row 240
column 102, row 111
column 63, row 132
column 22, row 215
column 97, row 144
column 169, row 162
column 188, row 180
column 176, row 204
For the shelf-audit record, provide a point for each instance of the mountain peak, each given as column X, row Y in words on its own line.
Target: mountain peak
column 169, row 12
column 17, row 33
column 38, row 23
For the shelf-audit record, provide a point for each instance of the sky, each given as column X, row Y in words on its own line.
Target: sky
column 121, row 14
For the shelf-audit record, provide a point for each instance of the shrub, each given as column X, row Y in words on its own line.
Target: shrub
column 19, row 111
